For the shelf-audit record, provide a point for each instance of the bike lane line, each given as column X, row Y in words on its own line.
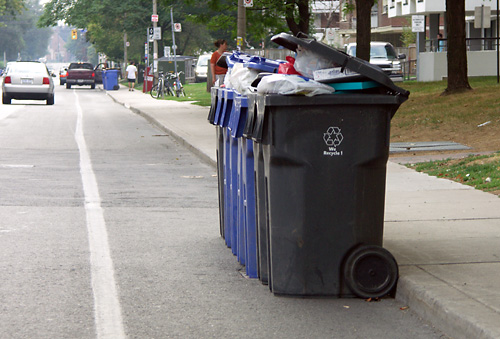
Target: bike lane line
column 107, row 309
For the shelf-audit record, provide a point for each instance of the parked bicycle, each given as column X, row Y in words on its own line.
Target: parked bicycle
column 162, row 87
column 179, row 89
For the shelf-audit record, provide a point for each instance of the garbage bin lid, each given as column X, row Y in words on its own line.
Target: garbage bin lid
column 354, row 64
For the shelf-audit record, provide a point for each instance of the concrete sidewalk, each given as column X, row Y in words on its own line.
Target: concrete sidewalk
column 444, row 235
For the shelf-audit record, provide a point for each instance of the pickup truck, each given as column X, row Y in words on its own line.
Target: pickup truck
column 80, row 73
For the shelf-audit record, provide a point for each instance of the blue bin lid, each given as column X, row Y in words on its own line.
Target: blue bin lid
column 263, row 64
column 237, row 57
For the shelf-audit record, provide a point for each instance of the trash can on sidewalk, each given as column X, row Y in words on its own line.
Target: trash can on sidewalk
column 246, row 228
column 324, row 174
column 257, row 173
column 110, row 79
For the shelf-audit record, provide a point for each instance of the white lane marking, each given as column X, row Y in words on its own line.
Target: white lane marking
column 108, row 316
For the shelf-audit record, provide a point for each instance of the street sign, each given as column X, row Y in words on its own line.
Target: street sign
column 157, row 33
column 482, row 17
column 154, row 18
column 418, row 23
column 247, row 3
column 177, row 27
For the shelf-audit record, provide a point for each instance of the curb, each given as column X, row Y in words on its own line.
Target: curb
column 203, row 157
column 417, row 289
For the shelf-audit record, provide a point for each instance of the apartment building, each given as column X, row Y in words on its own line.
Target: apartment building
column 481, row 35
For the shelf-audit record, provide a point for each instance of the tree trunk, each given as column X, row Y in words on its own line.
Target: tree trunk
column 300, row 24
column 363, row 28
column 457, row 49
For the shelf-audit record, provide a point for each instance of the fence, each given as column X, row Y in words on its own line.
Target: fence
column 472, row 44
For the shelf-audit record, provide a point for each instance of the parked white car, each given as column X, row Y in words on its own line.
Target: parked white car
column 383, row 55
column 27, row 80
column 201, row 68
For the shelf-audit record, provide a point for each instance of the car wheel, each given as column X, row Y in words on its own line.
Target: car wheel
column 92, row 86
column 5, row 99
column 68, row 86
column 50, row 100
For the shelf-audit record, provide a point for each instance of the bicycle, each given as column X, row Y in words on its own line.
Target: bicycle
column 179, row 89
column 162, row 87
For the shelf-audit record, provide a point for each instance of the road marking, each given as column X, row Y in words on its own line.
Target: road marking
column 107, row 310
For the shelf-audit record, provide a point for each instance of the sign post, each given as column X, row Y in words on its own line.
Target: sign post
column 177, row 84
column 418, row 26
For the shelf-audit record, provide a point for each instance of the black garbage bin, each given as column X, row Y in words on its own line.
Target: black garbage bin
column 324, row 174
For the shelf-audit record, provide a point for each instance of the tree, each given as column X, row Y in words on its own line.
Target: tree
column 263, row 20
column 11, row 7
column 363, row 25
column 297, row 16
column 457, row 49
column 105, row 21
column 21, row 37
column 363, row 28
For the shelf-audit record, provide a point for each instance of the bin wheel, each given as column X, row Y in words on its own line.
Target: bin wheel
column 370, row 271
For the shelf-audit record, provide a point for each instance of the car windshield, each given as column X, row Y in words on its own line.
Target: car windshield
column 27, row 68
column 378, row 52
column 81, row 66
column 383, row 52
column 203, row 61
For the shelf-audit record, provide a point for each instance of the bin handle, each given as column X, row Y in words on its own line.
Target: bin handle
column 303, row 35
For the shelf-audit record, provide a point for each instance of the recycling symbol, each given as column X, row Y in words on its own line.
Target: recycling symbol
column 333, row 137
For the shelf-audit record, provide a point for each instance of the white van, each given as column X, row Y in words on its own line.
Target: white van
column 383, row 55
column 201, row 68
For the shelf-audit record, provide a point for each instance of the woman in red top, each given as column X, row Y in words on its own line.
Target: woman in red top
column 218, row 73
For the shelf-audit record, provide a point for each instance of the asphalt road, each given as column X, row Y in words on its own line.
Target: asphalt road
column 109, row 229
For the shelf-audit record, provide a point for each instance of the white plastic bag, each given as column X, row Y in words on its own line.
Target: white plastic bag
column 307, row 62
column 241, row 78
column 286, row 84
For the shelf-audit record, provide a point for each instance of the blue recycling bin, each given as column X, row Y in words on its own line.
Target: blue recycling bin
column 110, row 79
column 222, row 115
column 254, row 176
column 245, row 192
column 237, row 170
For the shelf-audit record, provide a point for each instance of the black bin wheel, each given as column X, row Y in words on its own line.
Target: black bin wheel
column 370, row 271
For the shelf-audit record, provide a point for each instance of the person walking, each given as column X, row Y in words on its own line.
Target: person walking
column 218, row 72
column 131, row 75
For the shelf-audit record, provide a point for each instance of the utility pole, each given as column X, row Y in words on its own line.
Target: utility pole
column 125, row 55
column 241, row 25
column 174, row 47
column 155, row 43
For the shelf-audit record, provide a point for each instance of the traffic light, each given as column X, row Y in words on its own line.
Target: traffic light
column 74, row 34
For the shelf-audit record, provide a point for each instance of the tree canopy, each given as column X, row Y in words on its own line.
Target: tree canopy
column 106, row 21
column 19, row 34
column 11, row 7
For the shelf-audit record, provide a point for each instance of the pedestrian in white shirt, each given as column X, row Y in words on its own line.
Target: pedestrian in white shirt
column 131, row 75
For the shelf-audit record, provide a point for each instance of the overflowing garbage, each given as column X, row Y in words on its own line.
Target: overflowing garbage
column 302, row 148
